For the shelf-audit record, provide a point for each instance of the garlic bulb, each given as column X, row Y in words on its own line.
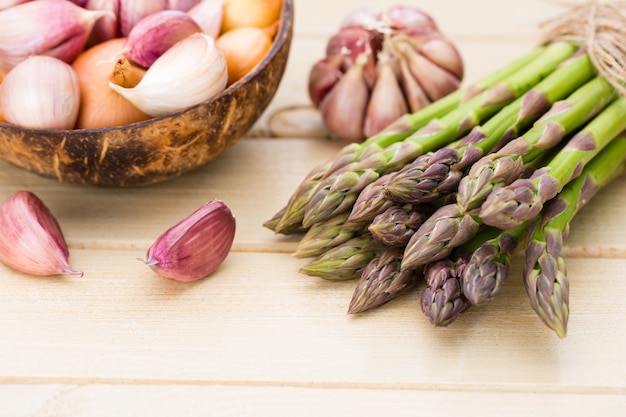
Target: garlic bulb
column 41, row 92
column 31, row 240
column 409, row 65
column 189, row 73
column 44, row 27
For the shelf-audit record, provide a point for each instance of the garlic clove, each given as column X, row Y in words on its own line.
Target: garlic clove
column 387, row 102
column 107, row 27
column 444, row 54
column 323, row 76
column 44, row 27
column 415, row 94
column 182, row 5
column 41, row 92
column 208, row 14
column 156, row 33
column 5, row 4
column 132, row 11
column 190, row 72
column 343, row 108
column 196, row 246
column 435, row 81
column 31, row 240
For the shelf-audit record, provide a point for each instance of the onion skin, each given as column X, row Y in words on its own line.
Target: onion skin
column 101, row 106
column 244, row 48
column 250, row 13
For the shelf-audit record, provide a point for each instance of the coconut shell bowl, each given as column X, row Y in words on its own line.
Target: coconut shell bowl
column 158, row 149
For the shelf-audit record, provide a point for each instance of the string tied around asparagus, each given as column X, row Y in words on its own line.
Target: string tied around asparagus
column 598, row 27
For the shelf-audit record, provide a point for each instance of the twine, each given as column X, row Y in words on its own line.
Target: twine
column 599, row 28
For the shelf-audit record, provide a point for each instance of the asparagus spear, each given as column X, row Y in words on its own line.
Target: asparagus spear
column 434, row 174
column 338, row 192
column 346, row 261
column 396, row 225
column 288, row 219
column 328, row 234
column 523, row 200
column 453, row 225
column 545, row 277
column 381, row 281
column 489, row 264
column 442, row 301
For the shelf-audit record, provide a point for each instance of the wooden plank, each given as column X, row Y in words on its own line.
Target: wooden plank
column 99, row 400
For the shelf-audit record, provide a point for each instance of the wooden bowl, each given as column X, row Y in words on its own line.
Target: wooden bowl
column 158, row 149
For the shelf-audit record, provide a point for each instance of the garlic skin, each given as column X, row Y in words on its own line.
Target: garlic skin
column 208, row 14
column 132, row 11
column 5, row 4
column 182, row 5
column 45, row 27
column 31, row 240
column 196, row 246
column 190, row 72
column 41, row 92
column 156, row 33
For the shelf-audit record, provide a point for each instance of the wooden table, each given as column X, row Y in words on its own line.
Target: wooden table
column 259, row 339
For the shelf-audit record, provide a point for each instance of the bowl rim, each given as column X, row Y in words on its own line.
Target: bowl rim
column 281, row 36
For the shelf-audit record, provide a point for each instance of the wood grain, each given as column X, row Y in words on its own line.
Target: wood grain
column 257, row 337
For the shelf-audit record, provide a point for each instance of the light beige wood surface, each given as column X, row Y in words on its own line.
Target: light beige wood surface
column 259, row 339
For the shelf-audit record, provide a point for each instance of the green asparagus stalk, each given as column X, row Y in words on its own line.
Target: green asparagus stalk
column 288, row 220
column 338, row 192
column 452, row 226
column 545, row 276
column 328, row 234
column 506, row 165
column 439, row 173
column 489, row 264
column 523, row 200
column 382, row 281
column 346, row 261
column 442, row 301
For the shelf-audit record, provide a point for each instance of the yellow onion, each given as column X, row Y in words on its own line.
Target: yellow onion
column 243, row 49
column 101, row 106
column 250, row 13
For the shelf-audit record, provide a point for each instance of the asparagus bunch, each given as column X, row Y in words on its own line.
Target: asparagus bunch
column 466, row 184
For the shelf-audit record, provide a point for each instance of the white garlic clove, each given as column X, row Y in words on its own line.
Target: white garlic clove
column 132, row 11
column 31, row 240
column 156, row 33
column 41, row 92
column 208, row 14
column 44, row 27
column 196, row 246
column 189, row 73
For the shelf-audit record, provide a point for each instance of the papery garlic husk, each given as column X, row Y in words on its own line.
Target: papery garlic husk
column 44, row 27
column 343, row 108
column 41, row 92
column 189, row 73
column 132, row 11
column 156, row 33
column 196, row 246
column 387, row 102
column 31, row 240
column 208, row 14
